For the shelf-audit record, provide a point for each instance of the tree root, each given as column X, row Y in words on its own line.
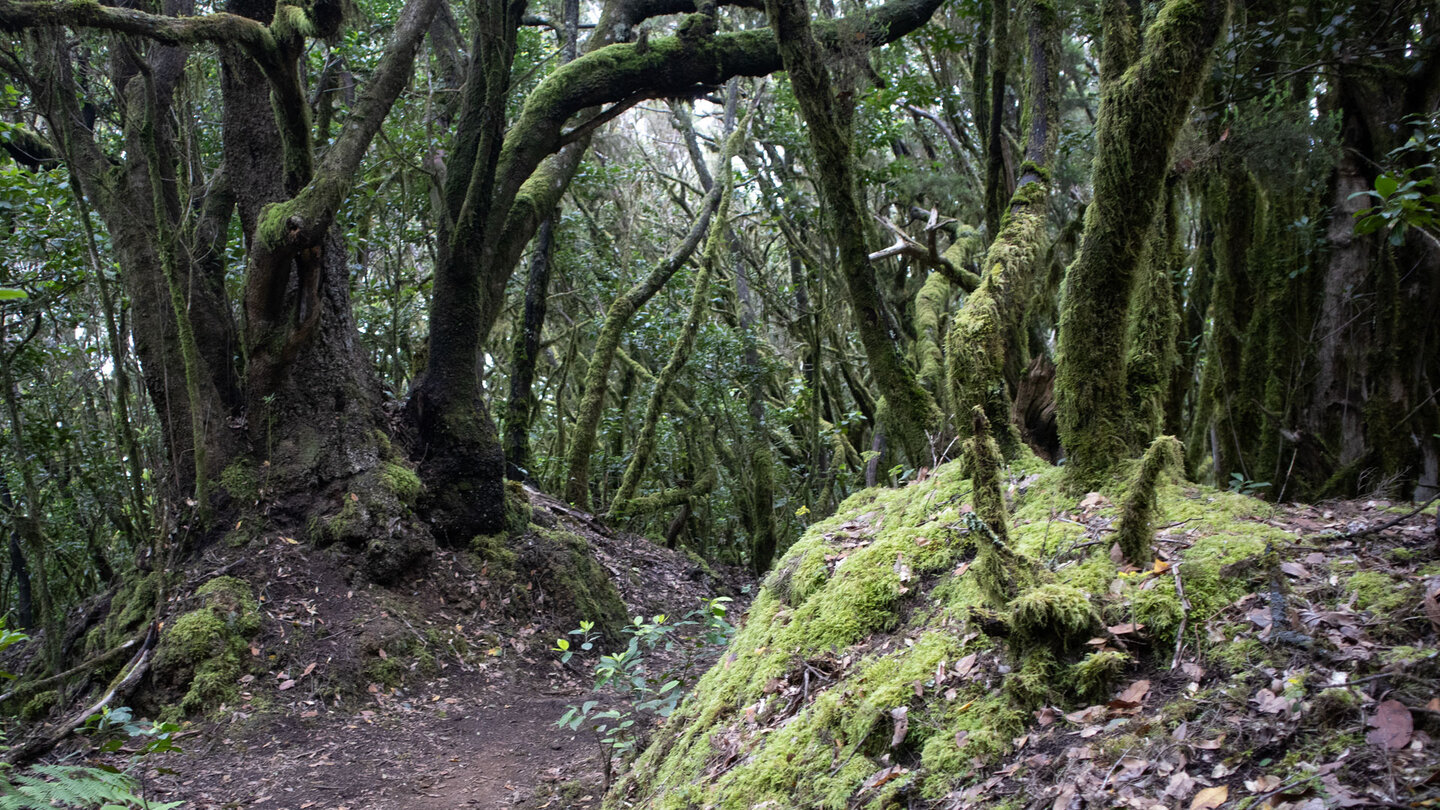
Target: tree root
column 121, row 688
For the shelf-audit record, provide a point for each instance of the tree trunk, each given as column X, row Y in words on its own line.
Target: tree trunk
column 989, row 327
column 910, row 412
column 520, row 409
column 1145, row 95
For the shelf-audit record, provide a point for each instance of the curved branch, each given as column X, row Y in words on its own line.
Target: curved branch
column 220, row 27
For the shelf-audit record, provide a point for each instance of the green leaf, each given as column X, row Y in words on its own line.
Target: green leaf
column 1386, row 184
column 8, row 294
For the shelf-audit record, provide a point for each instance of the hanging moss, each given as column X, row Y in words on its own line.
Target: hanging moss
column 1135, row 532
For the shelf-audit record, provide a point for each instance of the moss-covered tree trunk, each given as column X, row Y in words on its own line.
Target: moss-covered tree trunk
column 597, row 374
column 1154, row 323
column 123, row 194
column 989, row 327
column 525, row 352
column 910, row 413
column 1146, row 87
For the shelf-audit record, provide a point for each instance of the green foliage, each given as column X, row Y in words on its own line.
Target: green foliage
column 47, row 786
column 644, row 691
column 1406, row 196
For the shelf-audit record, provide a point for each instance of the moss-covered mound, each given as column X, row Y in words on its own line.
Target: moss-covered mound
column 874, row 670
column 202, row 653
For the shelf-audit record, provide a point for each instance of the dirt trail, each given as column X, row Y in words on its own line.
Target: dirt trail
column 487, row 740
column 483, row 735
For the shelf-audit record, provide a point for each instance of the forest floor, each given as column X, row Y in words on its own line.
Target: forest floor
column 481, row 733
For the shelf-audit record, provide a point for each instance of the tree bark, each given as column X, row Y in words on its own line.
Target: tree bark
column 1145, row 94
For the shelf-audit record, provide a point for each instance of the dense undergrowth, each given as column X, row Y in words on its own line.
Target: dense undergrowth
column 873, row 671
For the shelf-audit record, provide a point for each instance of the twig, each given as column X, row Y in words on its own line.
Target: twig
column 1184, row 615
column 1382, row 527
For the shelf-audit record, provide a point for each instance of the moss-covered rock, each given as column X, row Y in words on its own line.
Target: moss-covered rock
column 202, row 653
column 568, row 582
column 40, row 705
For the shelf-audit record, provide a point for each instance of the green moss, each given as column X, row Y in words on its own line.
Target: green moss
column 1381, row 593
column 876, row 598
column 1134, row 533
column 40, row 705
column 203, row 652
column 573, row 584
column 1054, row 614
column 495, row 553
column 517, row 508
column 400, row 480
column 241, row 481
column 131, row 608
column 1094, row 676
column 231, row 598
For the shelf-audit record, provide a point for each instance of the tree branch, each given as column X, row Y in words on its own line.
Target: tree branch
column 221, row 27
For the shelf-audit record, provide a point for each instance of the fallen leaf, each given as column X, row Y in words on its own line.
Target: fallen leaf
column 901, row 715
column 882, row 776
column 309, row 669
column 1392, row 725
column 1210, row 745
column 1094, row 500
column 964, row 665
column 1210, row 798
column 290, row 684
column 1263, row 784
column 1295, row 569
column 1066, row 800
column 1133, row 696
column 1181, row 785
column 1046, row 716
column 1128, row 627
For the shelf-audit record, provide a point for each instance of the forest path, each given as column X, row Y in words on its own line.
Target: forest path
column 484, row 740
column 482, row 736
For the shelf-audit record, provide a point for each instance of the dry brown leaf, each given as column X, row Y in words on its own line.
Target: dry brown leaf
column 1094, row 500
column 1046, row 716
column 1210, row 798
column 964, row 665
column 1181, row 784
column 882, row 776
column 1133, row 696
column 287, row 685
column 1263, row 784
column 1295, row 569
column 1391, row 726
column 901, row 715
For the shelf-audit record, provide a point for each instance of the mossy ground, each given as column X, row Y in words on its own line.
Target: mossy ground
column 867, row 647
column 203, row 653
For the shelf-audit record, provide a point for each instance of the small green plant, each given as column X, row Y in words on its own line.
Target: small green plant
column 43, row 787
column 643, row 689
column 1246, row 486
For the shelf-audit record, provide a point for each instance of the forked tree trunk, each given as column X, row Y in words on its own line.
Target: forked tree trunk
column 1145, row 94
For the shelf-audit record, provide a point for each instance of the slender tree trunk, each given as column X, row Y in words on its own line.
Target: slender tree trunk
column 612, row 329
column 910, row 411
column 990, row 325
column 520, row 409
column 1145, row 94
